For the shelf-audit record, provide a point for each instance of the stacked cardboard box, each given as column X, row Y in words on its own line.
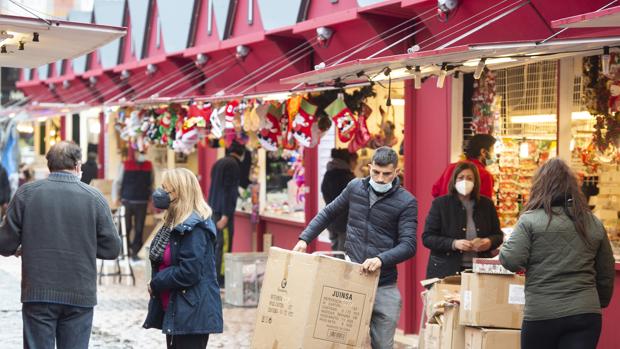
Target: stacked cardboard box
column 492, row 303
column 473, row 310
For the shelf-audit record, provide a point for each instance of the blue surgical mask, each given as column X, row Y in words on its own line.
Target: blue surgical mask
column 490, row 160
column 380, row 187
column 161, row 199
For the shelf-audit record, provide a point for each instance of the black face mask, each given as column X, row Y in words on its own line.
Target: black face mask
column 161, row 199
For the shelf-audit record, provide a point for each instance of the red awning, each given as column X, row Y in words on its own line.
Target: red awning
column 598, row 19
column 461, row 58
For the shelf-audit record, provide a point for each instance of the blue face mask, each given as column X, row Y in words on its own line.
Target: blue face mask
column 380, row 187
column 161, row 199
column 490, row 160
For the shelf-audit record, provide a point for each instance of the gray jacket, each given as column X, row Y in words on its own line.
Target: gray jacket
column 387, row 229
column 63, row 225
column 563, row 275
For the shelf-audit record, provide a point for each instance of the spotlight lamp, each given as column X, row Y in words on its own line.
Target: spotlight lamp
column 3, row 49
column 21, row 45
column 201, row 59
column 151, row 69
column 417, row 78
column 66, row 84
column 242, row 51
column 479, row 68
column 35, row 37
column 125, row 74
column 323, row 35
column 92, row 81
column 606, row 60
column 441, row 78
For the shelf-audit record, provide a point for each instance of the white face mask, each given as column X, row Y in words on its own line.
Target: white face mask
column 464, row 187
column 380, row 187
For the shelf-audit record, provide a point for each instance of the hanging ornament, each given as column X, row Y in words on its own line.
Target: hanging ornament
column 343, row 118
column 362, row 135
column 303, row 122
column 216, row 122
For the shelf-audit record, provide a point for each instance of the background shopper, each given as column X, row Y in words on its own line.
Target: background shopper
column 479, row 151
column 223, row 194
column 63, row 226
column 185, row 299
column 339, row 173
column 461, row 225
column 381, row 233
column 568, row 262
column 134, row 185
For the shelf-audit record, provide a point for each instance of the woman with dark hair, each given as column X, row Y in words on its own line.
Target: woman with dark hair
column 568, row 262
column 460, row 225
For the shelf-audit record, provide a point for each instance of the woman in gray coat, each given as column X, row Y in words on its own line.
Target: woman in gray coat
column 569, row 266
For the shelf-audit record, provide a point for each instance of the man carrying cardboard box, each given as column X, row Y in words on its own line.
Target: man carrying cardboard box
column 381, row 232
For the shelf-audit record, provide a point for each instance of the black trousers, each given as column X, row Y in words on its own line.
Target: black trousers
column 188, row 341
column 66, row 326
column 224, row 245
column 135, row 215
column 571, row 332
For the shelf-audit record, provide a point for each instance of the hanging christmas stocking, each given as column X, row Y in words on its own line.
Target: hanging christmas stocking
column 362, row 135
column 269, row 127
column 302, row 123
column 216, row 124
column 343, row 118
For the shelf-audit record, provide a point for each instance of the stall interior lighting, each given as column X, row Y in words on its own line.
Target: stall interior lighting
column 541, row 118
column 489, row 61
column 276, row 96
column 417, row 78
column 398, row 102
column 524, row 150
column 441, row 78
column 479, row 68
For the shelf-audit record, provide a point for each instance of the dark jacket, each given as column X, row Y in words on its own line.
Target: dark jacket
column 386, row 230
column 5, row 187
column 63, row 225
column 89, row 171
column 446, row 222
column 137, row 181
column 335, row 180
column 564, row 276
column 224, row 190
column 195, row 305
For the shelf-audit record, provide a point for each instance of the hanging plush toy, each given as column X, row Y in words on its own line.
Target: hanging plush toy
column 289, row 110
column 614, row 98
column 303, row 122
column 343, row 118
column 153, row 131
column 165, row 127
column 269, row 127
column 132, row 126
column 229, row 122
column 362, row 135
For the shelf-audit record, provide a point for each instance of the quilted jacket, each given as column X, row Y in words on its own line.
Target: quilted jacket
column 564, row 276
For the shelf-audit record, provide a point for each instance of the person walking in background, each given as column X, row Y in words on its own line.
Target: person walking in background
column 568, row 262
column 381, row 233
column 25, row 174
column 63, row 226
column 90, row 168
column 479, row 151
column 5, row 191
column 339, row 173
column 134, row 185
column 223, row 194
column 461, row 225
column 185, row 300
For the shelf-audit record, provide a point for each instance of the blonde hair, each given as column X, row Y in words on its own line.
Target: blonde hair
column 188, row 197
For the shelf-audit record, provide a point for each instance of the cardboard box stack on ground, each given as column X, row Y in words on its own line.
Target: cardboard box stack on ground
column 440, row 320
column 491, row 338
column 314, row 302
column 492, row 303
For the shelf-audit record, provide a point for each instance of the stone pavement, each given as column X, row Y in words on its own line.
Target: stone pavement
column 119, row 315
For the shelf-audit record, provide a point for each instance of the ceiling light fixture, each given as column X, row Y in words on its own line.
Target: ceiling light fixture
column 125, row 74
column 417, row 78
column 441, row 78
column 242, row 51
column 606, row 60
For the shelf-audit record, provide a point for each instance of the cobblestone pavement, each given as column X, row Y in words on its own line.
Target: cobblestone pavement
column 119, row 315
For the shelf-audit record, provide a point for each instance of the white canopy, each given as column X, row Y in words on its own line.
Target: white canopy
column 57, row 40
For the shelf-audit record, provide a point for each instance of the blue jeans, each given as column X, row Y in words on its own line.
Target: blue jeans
column 385, row 315
column 66, row 325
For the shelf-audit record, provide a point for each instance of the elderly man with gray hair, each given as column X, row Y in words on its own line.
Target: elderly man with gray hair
column 63, row 226
column 381, row 233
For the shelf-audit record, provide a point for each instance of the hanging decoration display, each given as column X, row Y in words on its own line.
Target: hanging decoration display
column 485, row 111
column 298, row 122
column 602, row 99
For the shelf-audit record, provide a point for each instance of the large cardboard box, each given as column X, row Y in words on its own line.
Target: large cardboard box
column 432, row 336
column 489, row 300
column 314, row 302
column 441, row 290
column 452, row 332
column 492, row 338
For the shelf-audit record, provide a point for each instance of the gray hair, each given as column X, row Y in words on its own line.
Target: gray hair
column 63, row 156
column 385, row 156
